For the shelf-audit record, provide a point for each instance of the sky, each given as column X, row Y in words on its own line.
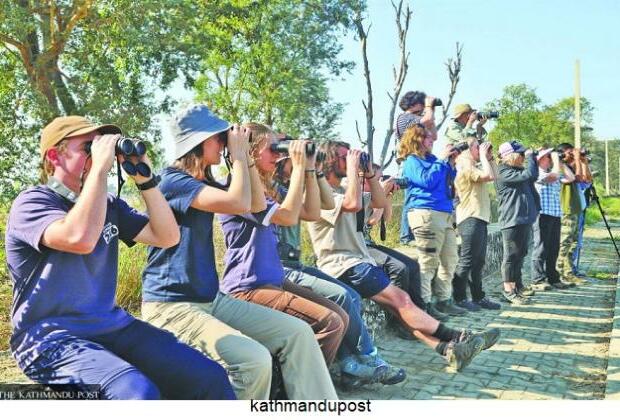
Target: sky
column 504, row 42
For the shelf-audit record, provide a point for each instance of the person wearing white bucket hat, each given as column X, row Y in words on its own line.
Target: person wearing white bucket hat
column 181, row 287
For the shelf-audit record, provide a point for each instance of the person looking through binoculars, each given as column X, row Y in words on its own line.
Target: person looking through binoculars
column 467, row 122
column 62, row 251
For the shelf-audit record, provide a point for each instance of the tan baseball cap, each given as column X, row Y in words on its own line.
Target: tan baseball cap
column 460, row 109
column 73, row 125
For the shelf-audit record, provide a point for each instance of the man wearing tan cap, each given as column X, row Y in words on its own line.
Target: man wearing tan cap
column 62, row 253
column 462, row 125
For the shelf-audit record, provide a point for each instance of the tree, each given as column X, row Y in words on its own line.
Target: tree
column 100, row 59
column 271, row 60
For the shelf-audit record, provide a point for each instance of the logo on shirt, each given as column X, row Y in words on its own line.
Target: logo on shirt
column 109, row 232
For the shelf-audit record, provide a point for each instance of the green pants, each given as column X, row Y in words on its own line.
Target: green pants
column 568, row 244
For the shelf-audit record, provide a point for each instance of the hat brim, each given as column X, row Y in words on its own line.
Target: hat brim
column 544, row 153
column 102, row 129
column 186, row 144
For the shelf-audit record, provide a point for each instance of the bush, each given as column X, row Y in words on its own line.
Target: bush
column 611, row 207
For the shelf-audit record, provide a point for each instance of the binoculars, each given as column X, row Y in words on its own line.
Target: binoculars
column 128, row 147
column 461, row 147
column 488, row 115
column 283, row 146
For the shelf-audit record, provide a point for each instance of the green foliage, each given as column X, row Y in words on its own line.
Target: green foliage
column 270, row 60
column 611, row 207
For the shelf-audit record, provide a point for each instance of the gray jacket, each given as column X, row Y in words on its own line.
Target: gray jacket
column 519, row 202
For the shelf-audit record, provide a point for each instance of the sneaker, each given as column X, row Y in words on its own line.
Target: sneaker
column 560, row 285
column 448, row 308
column 571, row 278
column 354, row 373
column 489, row 336
column 432, row 311
column 390, row 375
column 487, row 303
column 542, row 286
column 459, row 355
column 468, row 305
column 526, row 291
column 514, row 298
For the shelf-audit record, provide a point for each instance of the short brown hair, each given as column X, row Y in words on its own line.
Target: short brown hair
column 47, row 167
column 329, row 147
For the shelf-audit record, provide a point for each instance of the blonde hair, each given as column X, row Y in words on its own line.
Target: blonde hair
column 191, row 163
column 513, row 160
column 47, row 167
column 261, row 134
column 411, row 142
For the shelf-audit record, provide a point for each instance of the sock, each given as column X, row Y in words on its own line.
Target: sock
column 446, row 333
column 442, row 348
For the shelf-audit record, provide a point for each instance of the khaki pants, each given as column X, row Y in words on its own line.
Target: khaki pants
column 241, row 336
column 327, row 320
column 435, row 240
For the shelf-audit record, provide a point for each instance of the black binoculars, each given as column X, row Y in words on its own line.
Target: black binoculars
column 128, row 147
column 461, row 147
column 283, row 146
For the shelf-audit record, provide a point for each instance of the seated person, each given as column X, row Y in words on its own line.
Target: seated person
column 62, row 253
column 338, row 242
column 181, row 287
column 358, row 357
column 253, row 270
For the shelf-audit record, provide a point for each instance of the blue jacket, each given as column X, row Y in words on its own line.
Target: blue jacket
column 429, row 183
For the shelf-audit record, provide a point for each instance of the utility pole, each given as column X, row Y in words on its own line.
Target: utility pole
column 577, row 105
column 607, row 167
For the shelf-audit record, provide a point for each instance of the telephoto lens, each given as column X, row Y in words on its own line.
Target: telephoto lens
column 461, row 147
column 282, row 147
column 488, row 115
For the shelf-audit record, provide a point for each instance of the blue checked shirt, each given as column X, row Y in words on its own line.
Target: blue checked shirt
column 549, row 195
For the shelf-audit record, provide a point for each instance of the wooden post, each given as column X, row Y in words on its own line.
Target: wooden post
column 606, row 167
column 618, row 175
column 577, row 105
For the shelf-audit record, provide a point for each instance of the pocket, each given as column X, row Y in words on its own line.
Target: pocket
column 419, row 218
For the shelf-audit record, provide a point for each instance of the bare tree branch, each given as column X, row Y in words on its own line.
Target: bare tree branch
column 363, row 38
column 359, row 135
column 454, row 70
column 403, row 19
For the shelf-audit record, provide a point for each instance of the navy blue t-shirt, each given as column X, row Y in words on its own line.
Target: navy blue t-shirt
column 60, row 295
column 252, row 258
column 185, row 272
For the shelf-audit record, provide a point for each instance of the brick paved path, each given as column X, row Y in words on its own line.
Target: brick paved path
column 554, row 348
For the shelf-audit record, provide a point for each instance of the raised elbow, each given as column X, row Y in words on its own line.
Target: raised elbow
column 172, row 239
column 79, row 244
column 351, row 207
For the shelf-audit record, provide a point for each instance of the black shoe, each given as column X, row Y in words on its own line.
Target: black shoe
column 432, row 311
column 468, row 305
column 489, row 336
column 446, row 307
column 459, row 355
column 560, row 285
column 487, row 303
column 514, row 298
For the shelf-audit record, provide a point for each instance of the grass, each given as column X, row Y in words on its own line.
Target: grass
column 611, row 207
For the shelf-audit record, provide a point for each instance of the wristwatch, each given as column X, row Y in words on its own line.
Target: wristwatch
column 151, row 183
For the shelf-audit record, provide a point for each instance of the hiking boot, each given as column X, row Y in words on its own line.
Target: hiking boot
column 390, row 375
column 468, row 305
column 560, row 285
column 514, row 298
column 459, row 355
column 354, row 373
column 448, row 308
column 487, row 303
column 542, row 286
column 526, row 291
column 571, row 278
column 432, row 311
column 489, row 336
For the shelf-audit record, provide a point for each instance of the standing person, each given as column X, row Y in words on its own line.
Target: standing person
column 546, row 228
column 253, row 271
column 462, row 125
column 180, row 284
column 357, row 357
column 519, row 206
column 338, row 242
column 62, row 253
column 475, row 169
column 428, row 198
column 573, row 204
column 418, row 108
column 584, row 193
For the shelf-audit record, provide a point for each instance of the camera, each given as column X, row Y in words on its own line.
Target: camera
column 282, row 147
column 437, row 102
column 461, row 147
column 128, row 147
column 488, row 115
column 364, row 161
column 401, row 182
